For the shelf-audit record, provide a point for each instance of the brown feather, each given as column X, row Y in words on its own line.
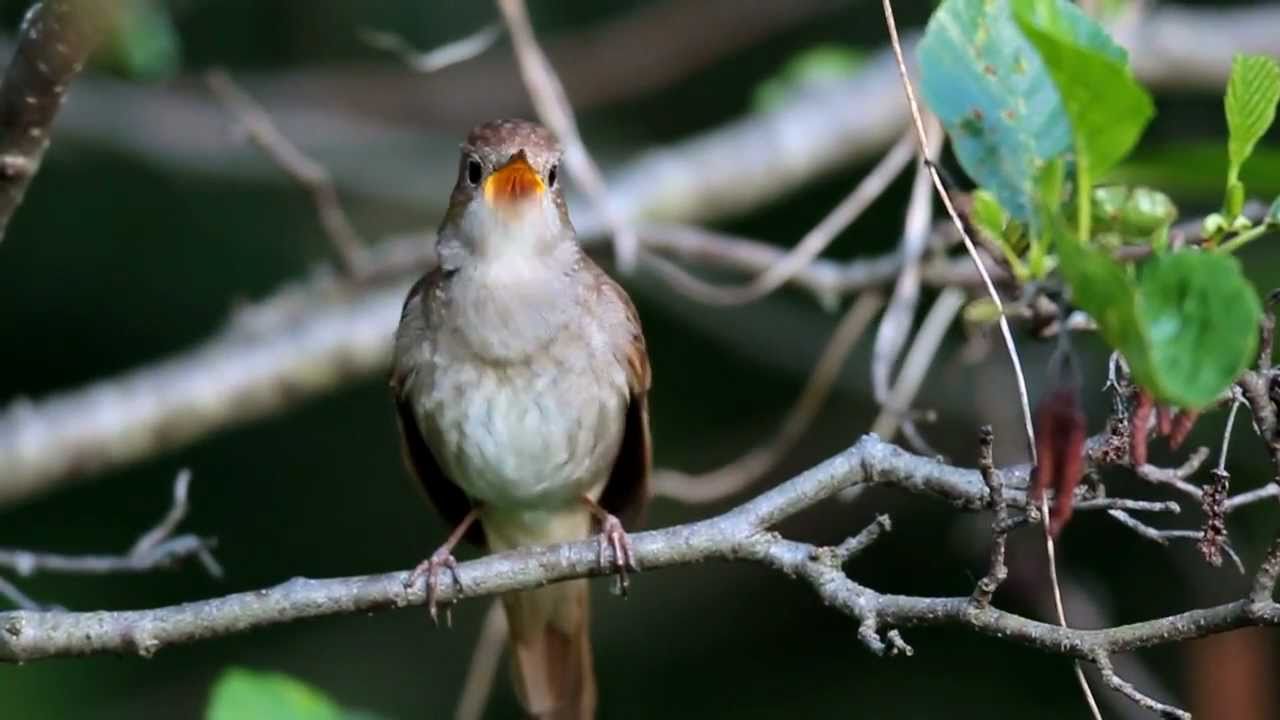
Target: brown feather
column 627, row 490
column 551, row 659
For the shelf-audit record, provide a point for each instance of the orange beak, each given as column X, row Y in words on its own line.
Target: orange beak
column 513, row 183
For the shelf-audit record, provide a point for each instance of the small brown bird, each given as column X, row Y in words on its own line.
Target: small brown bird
column 520, row 380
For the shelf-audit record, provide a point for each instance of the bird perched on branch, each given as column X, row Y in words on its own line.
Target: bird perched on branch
column 520, row 380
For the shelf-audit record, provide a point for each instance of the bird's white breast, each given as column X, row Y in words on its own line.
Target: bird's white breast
column 522, row 427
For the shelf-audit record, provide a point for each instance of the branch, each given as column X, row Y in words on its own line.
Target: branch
column 155, row 549
column 54, row 42
column 742, row 534
column 311, row 175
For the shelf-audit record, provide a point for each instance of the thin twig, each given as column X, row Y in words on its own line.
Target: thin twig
column 933, row 330
column 1176, row 477
column 438, row 58
column 20, row 600
column 1117, row 683
column 828, row 280
column 1012, row 349
column 156, row 549
column 741, row 473
column 900, row 315
column 1163, row 537
column 552, row 105
column 997, row 570
column 311, row 175
column 814, row 242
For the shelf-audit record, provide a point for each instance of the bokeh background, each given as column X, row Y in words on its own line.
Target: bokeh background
column 151, row 221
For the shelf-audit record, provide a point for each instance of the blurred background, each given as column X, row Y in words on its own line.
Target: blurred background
column 151, row 221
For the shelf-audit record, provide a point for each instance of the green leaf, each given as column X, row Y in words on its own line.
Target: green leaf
column 987, row 85
column 816, row 66
column 143, row 42
column 1201, row 316
column 1107, row 108
column 1250, row 103
column 1273, row 213
column 241, row 693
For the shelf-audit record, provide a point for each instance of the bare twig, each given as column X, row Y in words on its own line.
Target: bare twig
column 736, row 476
column 900, row 315
column 1176, row 478
column 997, row 571
column 552, row 104
column 933, row 330
column 1163, row 537
column 54, row 42
column 1117, row 683
column 827, row 280
column 812, row 245
column 156, row 549
column 436, row 59
column 20, row 600
column 484, row 664
column 1214, row 497
column 311, row 175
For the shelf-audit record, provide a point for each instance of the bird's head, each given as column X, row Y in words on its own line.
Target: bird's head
column 507, row 200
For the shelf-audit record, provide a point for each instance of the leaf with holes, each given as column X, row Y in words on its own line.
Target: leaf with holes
column 1107, row 108
column 987, row 85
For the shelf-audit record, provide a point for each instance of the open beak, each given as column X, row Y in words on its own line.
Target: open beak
column 513, row 183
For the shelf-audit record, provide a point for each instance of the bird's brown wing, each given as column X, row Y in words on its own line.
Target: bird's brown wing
column 449, row 499
column 627, row 490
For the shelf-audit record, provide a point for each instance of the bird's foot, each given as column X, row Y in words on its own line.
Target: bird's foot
column 614, row 538
column 432, row 568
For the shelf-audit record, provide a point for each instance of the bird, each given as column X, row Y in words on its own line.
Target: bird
column 521, row 379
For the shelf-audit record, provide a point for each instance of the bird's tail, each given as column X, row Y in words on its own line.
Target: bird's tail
column 551, row 651
column 551, row 648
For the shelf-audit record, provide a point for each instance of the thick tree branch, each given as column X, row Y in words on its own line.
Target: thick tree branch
column 54, row 42
column 740, row 534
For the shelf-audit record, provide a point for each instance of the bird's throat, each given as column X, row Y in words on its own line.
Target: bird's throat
column 512, row 301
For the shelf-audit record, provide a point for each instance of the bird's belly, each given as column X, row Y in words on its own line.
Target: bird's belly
column 527, row 440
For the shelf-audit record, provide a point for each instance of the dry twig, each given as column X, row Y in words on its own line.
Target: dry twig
column 436, row 59
column 155, row 549
column 311, row 175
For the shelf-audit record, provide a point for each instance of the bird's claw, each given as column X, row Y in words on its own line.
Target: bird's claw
column 614, row 538
column 431, row 569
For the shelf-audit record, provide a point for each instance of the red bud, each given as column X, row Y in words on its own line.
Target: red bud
column 1060, row 437
column 1182, row 427
column 1138, row 430
column 1164, row 420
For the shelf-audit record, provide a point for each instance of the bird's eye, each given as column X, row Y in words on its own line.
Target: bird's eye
column 551, row 175
column 474, row 171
